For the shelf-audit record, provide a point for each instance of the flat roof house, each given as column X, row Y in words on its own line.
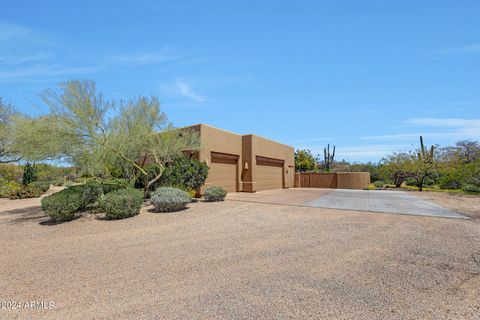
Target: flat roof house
column 245, row 163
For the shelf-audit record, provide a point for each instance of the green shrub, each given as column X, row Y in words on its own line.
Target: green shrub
column 44, row 185
column 63, row 205
column 186, row 172
column 91, row 194
column 25, row 192
column 122, row 204
column 30, row 174
column 192, row 193
column 167, row 199
column 451, row 184
column 215, row 193
column 113, row 185
column 379, row 184
column 470, row 188
column 411, row 183
column 14, row 190
column 9, row 187
column 59, row 182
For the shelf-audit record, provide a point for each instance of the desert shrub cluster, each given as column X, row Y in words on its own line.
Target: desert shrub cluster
column 215, row 193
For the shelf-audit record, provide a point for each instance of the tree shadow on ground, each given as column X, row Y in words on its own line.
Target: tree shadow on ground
column 30, row 214
column 23, row 215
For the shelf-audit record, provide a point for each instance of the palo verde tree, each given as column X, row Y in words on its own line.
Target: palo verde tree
column 109, row 141
column 395, row 166
column 8, row 148
column 305, row 161
column 422, row 165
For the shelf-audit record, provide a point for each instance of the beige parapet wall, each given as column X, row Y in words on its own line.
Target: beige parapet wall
column 336, row 180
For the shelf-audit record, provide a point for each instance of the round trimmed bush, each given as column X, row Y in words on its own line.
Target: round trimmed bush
column 215, row 193
column 168, row 199
column 63, row 205
column 378, row 184
column 122, row 204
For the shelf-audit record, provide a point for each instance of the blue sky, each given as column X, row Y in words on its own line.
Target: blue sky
column 367, row 76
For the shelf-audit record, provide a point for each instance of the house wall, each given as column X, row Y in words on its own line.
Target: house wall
column 248, row 148
column 255, row 146
column 217, row 141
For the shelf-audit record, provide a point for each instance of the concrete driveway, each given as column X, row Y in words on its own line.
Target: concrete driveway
column 399, row 202
column 384, row 201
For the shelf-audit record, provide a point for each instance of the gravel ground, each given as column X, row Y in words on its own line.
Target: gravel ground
column 467, row 204
column 239, row 260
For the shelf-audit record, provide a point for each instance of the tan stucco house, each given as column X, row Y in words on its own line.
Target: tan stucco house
column 245, row 163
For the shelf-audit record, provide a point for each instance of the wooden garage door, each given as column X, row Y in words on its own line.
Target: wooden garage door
column 223, row 171
column 269, row 173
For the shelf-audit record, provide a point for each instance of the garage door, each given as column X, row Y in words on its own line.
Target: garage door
column 269, row 173
column 223, row 171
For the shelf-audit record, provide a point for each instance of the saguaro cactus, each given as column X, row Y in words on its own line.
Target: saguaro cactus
column 425, row 166
column 426, row 155
column 327, row 157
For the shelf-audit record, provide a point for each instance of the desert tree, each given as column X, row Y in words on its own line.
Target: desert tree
column 395, row 166
column 305, row 161
column 467, row 151
column 422, row 164
column 8, row 151
column 108, row 141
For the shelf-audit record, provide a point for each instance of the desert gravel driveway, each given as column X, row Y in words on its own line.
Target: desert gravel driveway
column 241, row 260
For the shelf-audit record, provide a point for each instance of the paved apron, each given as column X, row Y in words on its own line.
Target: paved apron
column 381, row 201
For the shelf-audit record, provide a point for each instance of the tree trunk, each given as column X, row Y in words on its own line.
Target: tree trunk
column 148, row 184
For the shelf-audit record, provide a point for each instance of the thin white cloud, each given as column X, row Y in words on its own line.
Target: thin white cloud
column 147, row 58
column 457, row 128
column 179, row 91
column 444, row 122
column 302, row 142
column 30, row 55
column 370, row 152
column 12, row 60
column 27, row 74
column 463, row 49
column 367, row 151
column 14, row 36
column 185, row 89
column 10, row 33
